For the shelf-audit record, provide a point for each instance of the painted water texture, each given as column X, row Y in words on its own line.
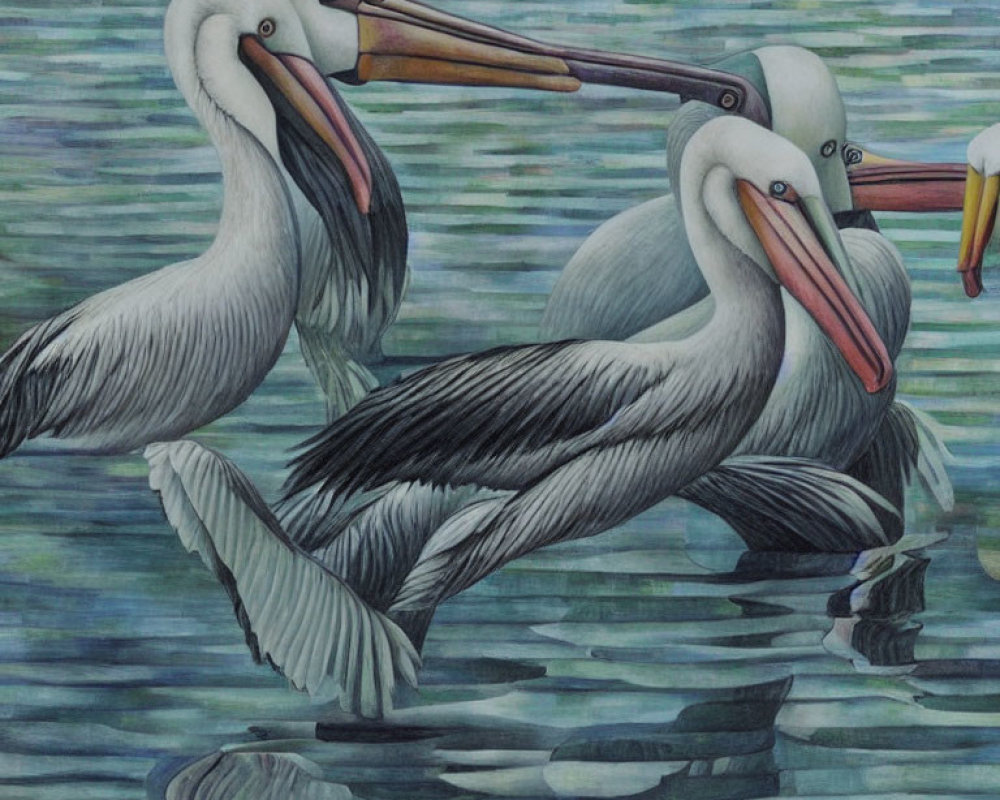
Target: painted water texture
column 658, row 660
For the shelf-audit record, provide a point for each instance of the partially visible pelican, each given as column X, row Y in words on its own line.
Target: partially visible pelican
column 979, row 215
column 630, row 274
column 635, row 271
column 430, row 484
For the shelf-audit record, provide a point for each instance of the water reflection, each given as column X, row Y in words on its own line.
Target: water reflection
column 719, row 746
column 653, row 697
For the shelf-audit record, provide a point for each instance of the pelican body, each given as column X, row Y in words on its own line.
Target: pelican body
column 429, row 484
column 632, row 279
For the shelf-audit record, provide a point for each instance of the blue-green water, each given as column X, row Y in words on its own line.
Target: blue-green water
column 656, row 660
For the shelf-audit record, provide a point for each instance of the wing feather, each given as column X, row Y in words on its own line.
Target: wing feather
column 297, row 614
column 497, row 418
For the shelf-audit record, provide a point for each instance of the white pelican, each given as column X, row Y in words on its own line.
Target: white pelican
column 168, row 352
column 615, row 287
column 979, row 216
column 431, row 483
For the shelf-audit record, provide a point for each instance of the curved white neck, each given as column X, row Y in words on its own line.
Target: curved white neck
column 258, row 216
column 731, row 274
column 258, row 220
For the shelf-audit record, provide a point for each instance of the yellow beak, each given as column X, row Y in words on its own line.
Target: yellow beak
column 979, row 215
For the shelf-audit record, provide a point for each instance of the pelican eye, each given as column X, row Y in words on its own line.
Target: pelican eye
column 852, row 155
column 267, row 27
column 828, row 148
column 778, row 189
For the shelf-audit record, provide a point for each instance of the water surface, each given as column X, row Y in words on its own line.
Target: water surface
column 658, row 660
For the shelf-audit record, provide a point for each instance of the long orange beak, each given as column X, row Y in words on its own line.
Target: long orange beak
column 404, row 40
column 887, row 184
column 801, row 241
column 297, row 89
column 979, row 215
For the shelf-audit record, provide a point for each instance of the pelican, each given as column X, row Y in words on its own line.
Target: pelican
column 979, row 214
column 312, row 227
column 170, row 351
column 430, row 484
column 615, row 287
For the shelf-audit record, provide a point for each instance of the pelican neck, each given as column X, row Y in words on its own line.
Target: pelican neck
column 258, row 215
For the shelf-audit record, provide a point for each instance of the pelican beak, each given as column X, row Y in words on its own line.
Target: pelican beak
column 979, row 215
column 801, row 241
column 300, row 94
column 404, row 40
column 887, row 184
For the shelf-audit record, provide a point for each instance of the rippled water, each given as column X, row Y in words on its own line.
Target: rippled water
column 656, row 661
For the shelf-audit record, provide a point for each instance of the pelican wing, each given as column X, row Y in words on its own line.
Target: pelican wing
column 792, row 504
column 303, row 619
column 354, row 265
column 906, row 443
column 153, row 358
column 24, row 386
column 498, row 419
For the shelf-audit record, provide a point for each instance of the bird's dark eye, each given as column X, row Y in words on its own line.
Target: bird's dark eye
column 778, row 189
column 852, row 155
column 828, row 148
column 267, row 27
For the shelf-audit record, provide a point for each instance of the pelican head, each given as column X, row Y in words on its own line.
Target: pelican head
column 249, row 62
column 762, row 193
column 979, row 212
column 807, row 110
column 805, row 106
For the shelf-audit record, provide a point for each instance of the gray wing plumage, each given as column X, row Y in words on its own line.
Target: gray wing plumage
column 372, row 544
column 297, row 614
column 595, row 491
column 148, row 360
column 792, row 504
column 26, row 386
column 354, row 269
column 343, row 380
column 497, row 419
column 906, row 444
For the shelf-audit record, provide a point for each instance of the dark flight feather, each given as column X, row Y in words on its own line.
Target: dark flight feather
column 470, row 413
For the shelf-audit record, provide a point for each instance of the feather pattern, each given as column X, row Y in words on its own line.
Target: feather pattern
column 354, row 264
column 906, row 445
column 461, row 467
column 495, row 418
column 354, row 270
column 792, row 504
column 308, row 623
column 818, row 409
column 631, row 273
column 197, row 337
